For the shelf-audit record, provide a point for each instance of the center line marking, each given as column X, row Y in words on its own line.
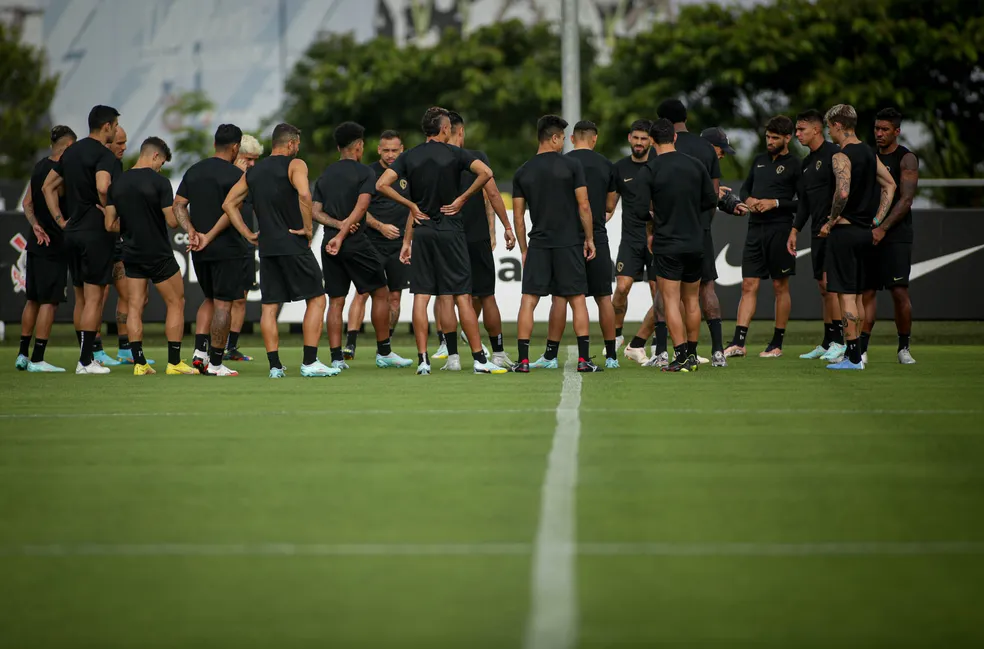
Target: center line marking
column 553, row 618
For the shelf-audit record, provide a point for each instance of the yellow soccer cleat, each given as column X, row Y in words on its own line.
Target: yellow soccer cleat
column 181, row 368
column 144, row 370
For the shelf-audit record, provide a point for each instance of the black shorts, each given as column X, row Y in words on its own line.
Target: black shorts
column 156, row 271
column 848, row 249
column 226, row 280
column 818, row 250
column 685, row 267
column 440, row 263
column 889, row 265
column 765, row 253
column 635, row 261
column 599, row 271
column 91, row 260
column 555, row 271
column 357, row 262
column 482, row 268
column 708, row 271
column 118, row 250
column 397, row 273
column 289, row 278
column 47, row 278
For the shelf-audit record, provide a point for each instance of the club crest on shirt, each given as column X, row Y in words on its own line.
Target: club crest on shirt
column 780, row 169
column 403, row 184
column 819, row 163
column 619, row 266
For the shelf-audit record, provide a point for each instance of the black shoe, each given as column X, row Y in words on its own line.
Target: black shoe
column 348, row 352
column 235, row 355
column 676, row 365
column 587, row 366
column 691, row 364
column 522, row 367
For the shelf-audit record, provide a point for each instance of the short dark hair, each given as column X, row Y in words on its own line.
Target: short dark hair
column 641, row 125
column 284, row 133
column 430, row 124
column 347, row 133
column 673, row 110
column 157, row 143
column 227, row 135
column 780, row 124
column 812, row 116
column 585, row 126
column 390, row 134
column 890, row 115
column 101, row 115
column 662, row 131
column 548, row 126
column 60, row 131
column 457, row 121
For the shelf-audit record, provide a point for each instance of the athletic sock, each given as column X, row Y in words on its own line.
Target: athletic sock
column 524, row 350
column 136, row 347
column 440, row 337
column 660, row 337
column 903, row 342
column 174, row 352
column 828, row 335
column 233, row 342
column 97, row 344
column 863, row 342
column 496, row 342
column 124, row 342
column 383, row 347
column 583, row 347
column 610, row 349
column 451, row 340
column 273, row 358
column 39, row 347
column 717, row 335
column 553, row 348
column 740, row 334
column 691, row 348
column 777, row 337
column 680, row 352
column 310, row 354
column 78, row 337
column 201, row 342
column 423, row 358
column 479, row 357
column 618, row 332
column 85, row 354
column 854, row 351
column 25, row 345
column 336, row 354
column 352, row 337
column 215, row 356
column 838, row 332
column 637, row 342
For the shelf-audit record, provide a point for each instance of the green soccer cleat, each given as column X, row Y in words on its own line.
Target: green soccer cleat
column 835, row 354
column 22, row 362
column 392, row 360
column 43, row 366
column 611, row 364
column 817, row 352
column 317, row 369
column 543, row 364
column 277, row 373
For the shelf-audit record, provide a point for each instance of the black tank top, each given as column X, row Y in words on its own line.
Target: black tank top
column 902, row 231
column 862, row 204
column 276, row 207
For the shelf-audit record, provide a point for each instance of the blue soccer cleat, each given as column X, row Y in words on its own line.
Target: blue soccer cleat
column 846, row 364
column 392, row 360
column 22, row 362
column 543, row 364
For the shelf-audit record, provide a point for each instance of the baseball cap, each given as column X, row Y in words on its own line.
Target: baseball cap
column 719, row 138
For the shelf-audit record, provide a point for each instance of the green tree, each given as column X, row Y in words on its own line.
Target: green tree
column 26, row 91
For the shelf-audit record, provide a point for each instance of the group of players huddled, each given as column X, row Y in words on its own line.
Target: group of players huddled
column 426, row 219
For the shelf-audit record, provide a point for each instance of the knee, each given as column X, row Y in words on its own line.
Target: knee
column 780, row 286
column 749, row 285
column 900, row 294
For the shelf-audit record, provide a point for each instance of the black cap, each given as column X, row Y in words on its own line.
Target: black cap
column 718, row 138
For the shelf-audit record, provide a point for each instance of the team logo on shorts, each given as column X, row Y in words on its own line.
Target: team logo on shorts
column 780, row 169
column 18, row 270
column 618, row 266
column 403, row 184
column 819, row 162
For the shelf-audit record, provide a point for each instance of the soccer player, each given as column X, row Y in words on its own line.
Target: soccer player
column 440, row 250
column 682, row 192
column 769, row 192
column 599, row 178
column 220, row 254
column 47, row 260
column 289, row 270
column 86, row 170
column 386, row 221
column 341, row 197
column 561, row 239
column 140, row 206
column 855, row 207
column 816, row 192
column 892, row 255
column 478, row 216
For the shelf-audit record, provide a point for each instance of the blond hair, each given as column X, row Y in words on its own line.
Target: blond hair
column 843, row 114
column 250, row 145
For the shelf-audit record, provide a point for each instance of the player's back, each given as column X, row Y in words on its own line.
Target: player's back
column 338, row 190
column 276, row 206
column 78, row 167
column 140, row 197
column 862, row 203
column 57, row 237
column 600, row 180
column 433, row 170
column 681, row 190
column 206, row 185
column 547, row 183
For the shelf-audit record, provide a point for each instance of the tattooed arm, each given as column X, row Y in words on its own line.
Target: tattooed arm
column 887, row 192
column 909, row 182
column 842, row 188
column 318, row 214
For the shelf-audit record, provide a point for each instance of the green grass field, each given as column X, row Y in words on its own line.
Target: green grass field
column 769, row 504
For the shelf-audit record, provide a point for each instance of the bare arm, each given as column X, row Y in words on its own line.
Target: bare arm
column 842, row 186
column 111, row 219
column 359, row 211
column 103, row 181
column 318, row 214
column 181, row 216
column 611, row 203
column 28, row 206
column 373, row 222
column 497, row 204
column 172, row 221
column 385, row 187
column 584, row 211
column 52, row 184
column 519, row 223
column 231, row 206
column 298, row 174
column 888, row 189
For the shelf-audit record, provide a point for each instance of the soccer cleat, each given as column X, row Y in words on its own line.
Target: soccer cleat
column 817, row 352
column 488, row 367
column 637, row 354
column 199, row 361
column 180, row 368
column 340, row 365
column 235, row 355
column 442, row 352
column 392, row 360
column 91, row 368
column 846, row 364
column 702, row 361
column 618, row 342
column 453, row 364
column 423, row 369
column 718, row 360
column 675, row 366
column 523, row 367
column 585, row 366
column 864, row 358
column 277, row 373
column 835, row 353
column 143, row 370
column 22, row 362
column 691, row 364
column 905, row 357
column 348, row 352
column 317, row 368
column 774, row 352
column 733, row 351
column 45, row 366
column 658, row 360
column 543, row 364
column 502, row 360
column 104, row 359
column 611, row 364
column 219, row 370
column 125, row 357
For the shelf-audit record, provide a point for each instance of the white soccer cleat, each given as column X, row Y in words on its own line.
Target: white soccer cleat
column 637, row 354
column 501, row 359
column 702, row 361
column 442, row 351
column 658, row 360
column 905, row 357
column 619, row 340
column 219, row 370
column 453, row 364
column 423, row 369
column 317, row 368
column 864, row 358
column 488, row 368
column 91, row 368
column 340, row 365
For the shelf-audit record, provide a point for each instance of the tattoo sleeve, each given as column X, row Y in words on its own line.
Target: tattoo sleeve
column 180, row 211
column 907, row 192
column 842, row 185
column 28, row 205
column 318, row 213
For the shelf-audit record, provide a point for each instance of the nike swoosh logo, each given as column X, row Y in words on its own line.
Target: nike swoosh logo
column 759, row 166
column 729, row 274
column 627, row 180
column 928, row 266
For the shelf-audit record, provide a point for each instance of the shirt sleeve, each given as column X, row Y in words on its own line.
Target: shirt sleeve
column 612, row 187
column 400, row 167
column 746, row 187
column 802, row 207
column 715, row 166
column 107, row 162
column 166, row 192
column 368, row 183
column 578, row 169
column 111, row 195
column 318, row 195
column 790, row 204
column 518, row 185
column 466, row 158
column 181, row 187
column 708, row 197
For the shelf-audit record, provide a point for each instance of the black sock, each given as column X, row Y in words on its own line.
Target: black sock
column 660, row 337
column 828, row 335
column 351, row 338
column 39, row 347
column 136, row 347
column 88, row 340
column 310, row 354
column 124, row 342
column 423, row 358
column 78, row 336
column 524, row 350
column 740, row 334
column 680, row 352
column 717, row 335
column 637, row 342
column 838, row 332
column 496, row 342
column 233, row 342
column 25, row 346
column 903, row 342
column 97, row 344
column 863, row 342
column 336, row 353
column 777, row 336
column 610, row 349
column 174, row 352
column 553, row 348
column 480, row 356
column 692, row 348
column 274, row 359
column 440, row 337
column 201, row 342
column 618, row 331
column 383, row 347
column 583, row 347
column 451, row 340
column 854, row 351
column 215, row 356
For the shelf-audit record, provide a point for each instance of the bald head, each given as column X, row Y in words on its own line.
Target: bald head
column 118, row 147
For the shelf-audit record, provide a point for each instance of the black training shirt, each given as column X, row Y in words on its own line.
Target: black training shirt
column 816, row 188
column 862, row 203
column 386, row 210
column 681, row 189
column 902, row 231
column 473, row 214
column 773, row 179
column 56, row 247
column 433, row 170
column 276, row 206
column 632, row 183
column 140, row 197
column 547, row 183
column 78, row 167
column 338, row 190
column 599, row 176
column 697, row 147
column 206, row 185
